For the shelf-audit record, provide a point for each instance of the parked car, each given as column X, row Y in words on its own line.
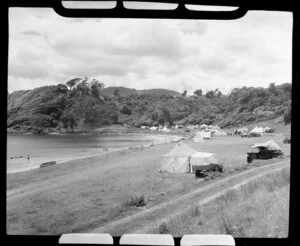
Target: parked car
column 244, row 135
column 253, row 134
column 272, row 130
column 265, row 150
column 204, row 170
column 287, row 140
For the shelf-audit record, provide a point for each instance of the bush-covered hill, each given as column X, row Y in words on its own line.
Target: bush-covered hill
column 123, row 91
column 83, row 101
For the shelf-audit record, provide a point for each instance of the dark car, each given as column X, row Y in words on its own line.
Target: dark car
column 202, row 171
column 287, row 140
column 253, row 134
column 244, row 135
column 266, row 150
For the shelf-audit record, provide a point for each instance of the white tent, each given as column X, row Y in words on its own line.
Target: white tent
column 242, row 130
column 258, row 130
column 165, row 130
column 203, row 159
column 203, row 126
column 153, row 128
column 178, row 159
column 206, row 135
column 198, row 137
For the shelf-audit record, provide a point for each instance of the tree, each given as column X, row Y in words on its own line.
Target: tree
column 184, row 94
column 116, row 92
column 126, row 110
column 198, row 92
column 210, row 94
column 272, row 89
column 97, row 88
column 68, row 120
column 287, row 117
column 72, row 82
column 217, row 93
column 164, row 115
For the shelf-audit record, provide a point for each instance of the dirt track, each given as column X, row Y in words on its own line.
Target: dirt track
column 147, row 218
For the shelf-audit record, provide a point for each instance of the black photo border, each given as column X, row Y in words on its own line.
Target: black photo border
column 179, row 13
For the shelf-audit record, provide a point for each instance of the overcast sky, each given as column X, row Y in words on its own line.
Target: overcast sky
column 46, row 49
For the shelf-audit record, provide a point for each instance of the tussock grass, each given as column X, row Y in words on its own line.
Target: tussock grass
column 256, row 209
column 137, row 201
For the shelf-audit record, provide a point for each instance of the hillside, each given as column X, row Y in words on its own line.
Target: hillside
column 124, row 92
column 86, row 102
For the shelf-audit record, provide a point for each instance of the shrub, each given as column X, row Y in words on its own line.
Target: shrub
column 287, row 116
column 136, row 202
column 163, row 229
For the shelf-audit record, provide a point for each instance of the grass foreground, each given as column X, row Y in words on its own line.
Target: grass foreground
column 257, row 209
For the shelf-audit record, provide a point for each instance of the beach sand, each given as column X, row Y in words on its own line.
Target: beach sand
column 23, row 164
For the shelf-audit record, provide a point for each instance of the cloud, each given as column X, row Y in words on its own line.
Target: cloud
column 147, row 53
column 214, row 65
column 31, row 32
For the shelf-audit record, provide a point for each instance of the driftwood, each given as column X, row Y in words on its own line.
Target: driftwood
column 17, row 157
column 46, row 164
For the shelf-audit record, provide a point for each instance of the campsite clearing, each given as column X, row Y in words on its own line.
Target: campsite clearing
column 82, row 195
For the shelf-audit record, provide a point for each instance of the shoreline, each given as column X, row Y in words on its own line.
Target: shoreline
column 156, row 140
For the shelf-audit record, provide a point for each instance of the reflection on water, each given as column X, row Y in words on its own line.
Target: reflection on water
column 41, row 149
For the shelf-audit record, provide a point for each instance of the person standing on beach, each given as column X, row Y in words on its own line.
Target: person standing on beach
column 28, row 158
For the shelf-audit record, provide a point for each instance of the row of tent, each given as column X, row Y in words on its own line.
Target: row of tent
column 201, row 135
column 182, row 157
column 256, row 129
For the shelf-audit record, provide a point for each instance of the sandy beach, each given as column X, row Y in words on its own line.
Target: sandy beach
column 34, row 163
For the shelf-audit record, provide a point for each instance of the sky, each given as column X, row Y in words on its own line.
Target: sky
column 47, row 49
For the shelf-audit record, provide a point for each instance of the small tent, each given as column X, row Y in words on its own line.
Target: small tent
column 165, row 130
column 258, row 130
column 153, row 128
column 198, row 137
column 178, row 159
column 206, row 135
column 203, row 159
column 203, row 126
column 242, row 130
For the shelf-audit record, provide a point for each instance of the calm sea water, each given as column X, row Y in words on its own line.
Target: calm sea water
column 60, row 148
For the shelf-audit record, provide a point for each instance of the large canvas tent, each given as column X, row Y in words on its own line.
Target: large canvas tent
column 178, row 159
column 198, row 137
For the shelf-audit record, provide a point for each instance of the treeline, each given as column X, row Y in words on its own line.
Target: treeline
column 80, row 101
